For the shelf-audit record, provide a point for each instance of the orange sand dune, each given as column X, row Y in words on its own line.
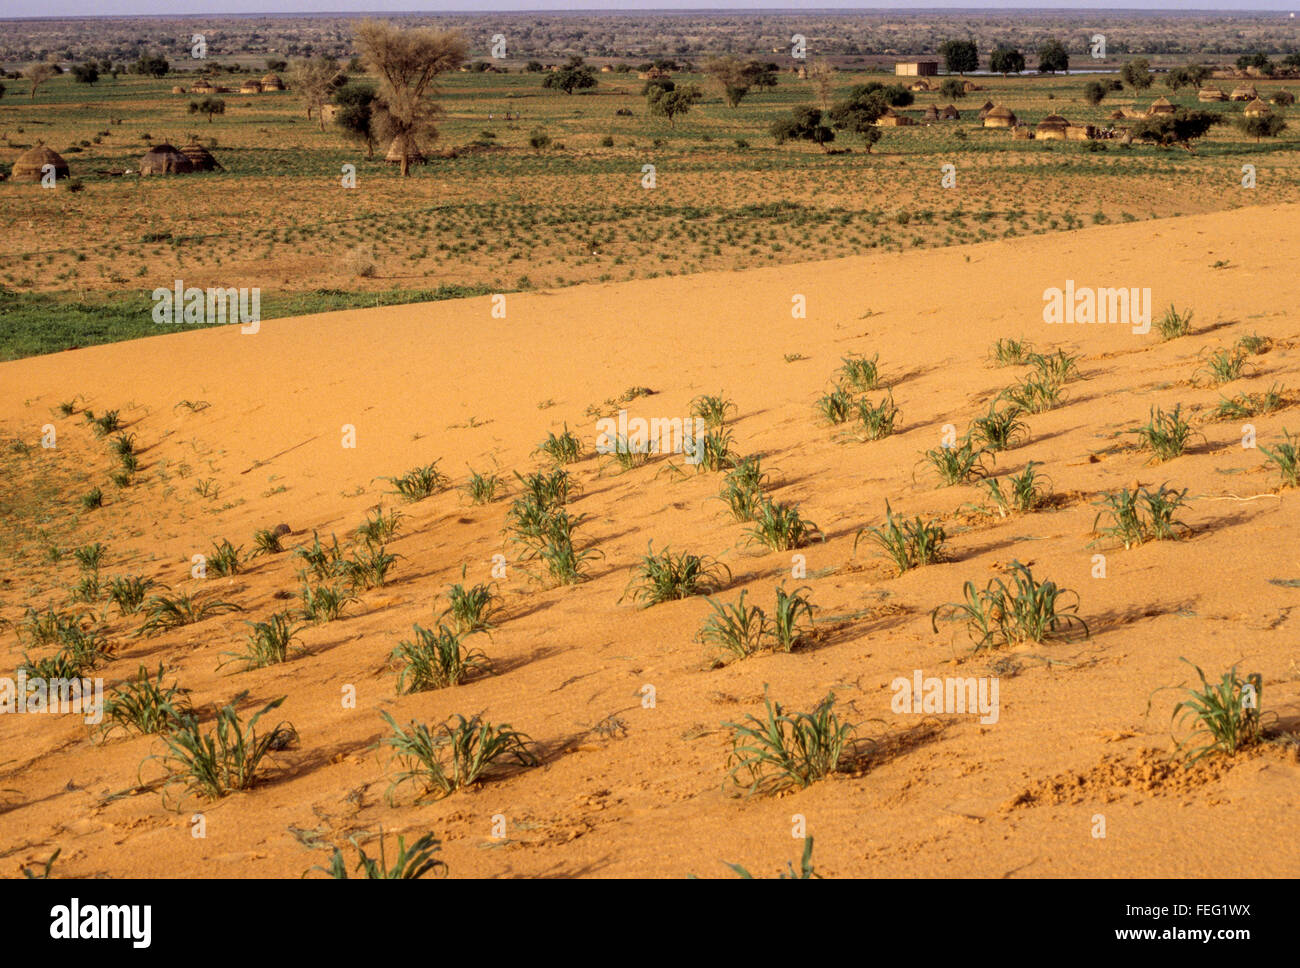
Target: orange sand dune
column 448, row 381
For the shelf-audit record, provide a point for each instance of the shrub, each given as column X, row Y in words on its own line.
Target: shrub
column 712, row 409
column 215, row 764
column 860, row 373
column 268, row 642
column 1000, row 429
column 666, row 577
column 145, row 705
column 420, row 482
column 471, row 609
column 163, row 613
column 1141, row 515
column 780, row 527
column 453, row 756
column 224, row 558
column 1166, row 433
column 836, row 406
column 324, row 603
column 877, row 420
column 1024, row 491
column 787, row 751
column 1227, row 714
column 436, row 660
column 1011, row 352
column 909, row 544
column 564, row 449
column 409, row 864
column 377, row 527
column 958, row 464
column 1174, row 323
column 1025, row 611
column 1287, row 458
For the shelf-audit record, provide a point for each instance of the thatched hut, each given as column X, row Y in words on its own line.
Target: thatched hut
column 200, row 157
column 892, row 119
column 1051, row 128
column 950, row 113
column 1080, row 132
column 970, row 87
column 250, row 86
column 1161, row 105
column 1244, row 93
column 1000, row 116
column 1283, row 98
column 414, row 155
column 1208, row 94
column 30, row 166
column 203, row 87
column 163, row 159
column 1022, row 132
column 985, row 109
column 932, row 113
column 272, row 82
column 1116, row 115
column 1257, row 109
column 919, row 85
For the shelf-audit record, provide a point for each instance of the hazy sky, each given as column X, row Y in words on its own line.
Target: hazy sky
column 82, row 8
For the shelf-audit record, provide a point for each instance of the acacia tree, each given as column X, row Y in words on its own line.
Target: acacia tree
column 314, row 80
column 356, row 115
column 1265, row 126
column 208, row 106
column 573, row 76
column 822, row 74
column 406, row 63
column 1053, row 57
column 737, row 78
column 38, row 74
column 1006, row 60
column 1181, row 128
column 804, row 124
column 672, row 102
column 960, row 56
column 1137, row 74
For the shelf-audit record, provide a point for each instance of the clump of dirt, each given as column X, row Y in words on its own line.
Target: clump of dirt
column 1148, row 772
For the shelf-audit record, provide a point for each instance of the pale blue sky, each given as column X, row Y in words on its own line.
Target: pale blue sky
column 82, row 8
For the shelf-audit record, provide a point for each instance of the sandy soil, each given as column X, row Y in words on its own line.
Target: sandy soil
column 944, row 796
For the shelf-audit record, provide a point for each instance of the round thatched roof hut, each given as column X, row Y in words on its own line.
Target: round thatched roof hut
column 970, row 86
column 985, row 108
column 250, row 86
column 919, row 85
column 30, row 166
column 1023, row 132
column 1257, row 109
column 1051, row 127
column 163, row 159
column 272, row 82
column 1245, row 93
column 1283, row 98
column 950, row 113
column 414, row 155
column 1000, row 117
column 200, row 157
column 1116, row 115
column 203, row 87
column 1161, row 105
column 1207, row 94
column 932, row 113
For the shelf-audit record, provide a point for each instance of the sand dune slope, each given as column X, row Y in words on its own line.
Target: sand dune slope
column 1083, row 726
